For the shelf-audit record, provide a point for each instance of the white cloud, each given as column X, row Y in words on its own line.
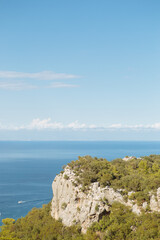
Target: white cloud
column 11, row 80
column 76, row 125
column 136, row 126
column 48, row 124
column 16, row 86
column 38, row 124
column 45, row 75
column 116, row 126
column 25, row 86
column 155, row 126
column 62, row 85
column 44, row 124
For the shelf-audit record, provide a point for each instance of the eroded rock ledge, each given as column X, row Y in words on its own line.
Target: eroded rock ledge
column 76, row 207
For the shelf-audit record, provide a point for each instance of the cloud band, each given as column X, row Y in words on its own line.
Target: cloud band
column 38, row 124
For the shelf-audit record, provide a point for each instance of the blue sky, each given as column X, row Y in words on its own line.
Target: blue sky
column 79, row 70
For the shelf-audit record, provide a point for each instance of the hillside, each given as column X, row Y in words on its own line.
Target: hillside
column 97, row 199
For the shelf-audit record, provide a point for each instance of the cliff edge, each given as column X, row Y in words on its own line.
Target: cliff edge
column 73, row 205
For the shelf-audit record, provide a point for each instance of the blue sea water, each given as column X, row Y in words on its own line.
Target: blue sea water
column 27, row 169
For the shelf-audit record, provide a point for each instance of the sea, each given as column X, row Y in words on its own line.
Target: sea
column 27, row 169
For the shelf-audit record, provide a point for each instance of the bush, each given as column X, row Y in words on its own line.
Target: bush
column 66, row 177
column 139, row 175
column 64, row 205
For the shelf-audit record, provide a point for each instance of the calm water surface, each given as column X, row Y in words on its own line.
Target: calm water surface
column 27, row 169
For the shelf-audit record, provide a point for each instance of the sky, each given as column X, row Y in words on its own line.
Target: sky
column 79, row 70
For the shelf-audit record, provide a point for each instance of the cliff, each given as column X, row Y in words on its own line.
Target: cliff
column 76, row 205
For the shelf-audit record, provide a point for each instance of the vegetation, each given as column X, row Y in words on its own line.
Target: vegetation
column 123, row 224
column 120, row 224
column 138, row 175
column 38, row 225
column 66, row 177
column 64, row 205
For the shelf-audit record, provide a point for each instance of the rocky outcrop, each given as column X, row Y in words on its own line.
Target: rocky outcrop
column 76, row 207
column 155, row 201
column 73, row 206
column 128, row 158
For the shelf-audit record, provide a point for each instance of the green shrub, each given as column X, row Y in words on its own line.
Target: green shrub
column 64, row 205
column 139, row 175
column 97, row 208
column 78, row 209
column 66, row 177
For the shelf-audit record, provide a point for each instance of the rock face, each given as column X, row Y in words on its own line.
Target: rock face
column 74, row 206
column 155, row 201
column 128, row 158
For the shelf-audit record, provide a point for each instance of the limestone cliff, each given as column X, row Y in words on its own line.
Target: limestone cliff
column 76, row 207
